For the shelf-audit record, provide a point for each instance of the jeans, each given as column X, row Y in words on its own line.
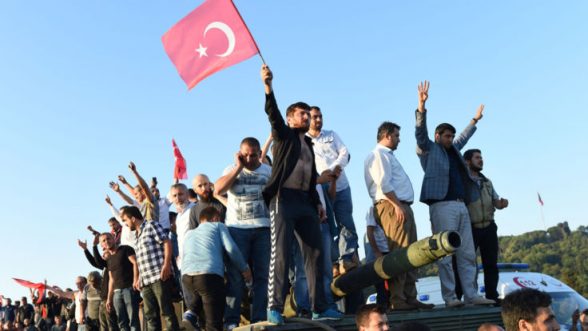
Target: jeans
column 211, row 288
column 126, row 305
column 108, row 321
column 343, row 209
column 157, row 300
column 300, row 281
column 255, row 245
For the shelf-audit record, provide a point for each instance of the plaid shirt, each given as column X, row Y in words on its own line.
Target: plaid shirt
column 150, row 252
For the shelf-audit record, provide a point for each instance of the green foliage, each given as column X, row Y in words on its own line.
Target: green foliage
column 559, row 252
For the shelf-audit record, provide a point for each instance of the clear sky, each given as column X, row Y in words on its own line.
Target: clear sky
column 85, row 87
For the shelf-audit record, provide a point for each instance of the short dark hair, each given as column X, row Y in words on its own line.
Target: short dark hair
column 470, row 153
column 522, row 304
column 299, row 104
column 131, row 211
column 315, row 108
column 386, row 128
column 444, row 127
column 362, row 316
column 112, row 219
column 192, row 194
column 208, row 214
column 251, row 142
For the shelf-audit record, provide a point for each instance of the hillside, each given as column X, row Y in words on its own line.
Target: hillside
column 558, row 252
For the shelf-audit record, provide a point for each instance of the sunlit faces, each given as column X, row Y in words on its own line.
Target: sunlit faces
column 138, row 194
column 316, row 120
column 376, row 322
column 179, row 196
column 129, row 221
column 202, row 186
column 476, row 163
column 445, row 138
column 544, row 321
column 250, row 156
column 299, row 119
column 106, row 241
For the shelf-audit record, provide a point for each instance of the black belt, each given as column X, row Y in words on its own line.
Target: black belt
column 401, row 201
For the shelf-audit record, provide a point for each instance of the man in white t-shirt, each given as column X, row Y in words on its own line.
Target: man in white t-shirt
column 248, row 221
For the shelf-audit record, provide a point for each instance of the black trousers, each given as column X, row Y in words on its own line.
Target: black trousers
column 486, row 240
column 293, row 215
column 209, row 295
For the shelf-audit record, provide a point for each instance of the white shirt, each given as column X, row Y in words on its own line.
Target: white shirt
column 246, row 208
column 379, row 235
column 329, row 152
column 182, row 227
column 383, row 174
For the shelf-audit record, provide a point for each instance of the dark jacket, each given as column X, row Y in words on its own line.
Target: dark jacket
column 286, row 152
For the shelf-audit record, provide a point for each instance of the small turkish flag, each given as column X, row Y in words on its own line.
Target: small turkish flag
column 209, row 39
column 180, row 170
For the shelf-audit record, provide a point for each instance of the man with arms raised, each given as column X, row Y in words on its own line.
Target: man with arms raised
column 447, row 187
column 294, row 205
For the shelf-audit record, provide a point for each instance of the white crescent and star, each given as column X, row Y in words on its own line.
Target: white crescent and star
column 224, row 28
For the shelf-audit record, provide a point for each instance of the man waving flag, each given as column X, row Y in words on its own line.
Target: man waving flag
column 209, row 39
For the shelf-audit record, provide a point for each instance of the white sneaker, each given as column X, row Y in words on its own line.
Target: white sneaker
column 455, row 303
column 478, row 300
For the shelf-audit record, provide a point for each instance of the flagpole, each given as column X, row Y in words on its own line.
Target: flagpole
column 543, row 219
column 248, row 31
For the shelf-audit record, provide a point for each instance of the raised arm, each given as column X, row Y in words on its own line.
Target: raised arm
column 84, row 245
column 116, row 188
column 115, row 212
column 279, row 127
column 421, row 132
column 266, row 147
column 126, row 184
column 142, row 183
column 468, row 132
column 224, row 183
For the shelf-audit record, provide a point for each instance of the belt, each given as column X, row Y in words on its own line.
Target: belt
column 408, row 203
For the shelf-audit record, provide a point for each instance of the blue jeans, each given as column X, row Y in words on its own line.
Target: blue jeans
column 343, row 209
column 126, row 305
column 300, row 284
column 255, row 246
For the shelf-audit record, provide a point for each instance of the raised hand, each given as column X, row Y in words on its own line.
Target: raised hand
column 122, row 179
column 115, row 187
column 266, row 75
column 132, row 166
column 239, row 160
column 479, row 114
column 108, row 201
column 423, row 91
column 83, row 244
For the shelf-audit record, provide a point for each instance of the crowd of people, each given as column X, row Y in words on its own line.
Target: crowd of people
column 270, row 227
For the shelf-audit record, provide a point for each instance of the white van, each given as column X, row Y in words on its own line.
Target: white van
column 513, row 276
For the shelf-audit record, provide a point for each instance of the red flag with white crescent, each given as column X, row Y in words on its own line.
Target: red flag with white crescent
column 180, row 169
column 211, row 38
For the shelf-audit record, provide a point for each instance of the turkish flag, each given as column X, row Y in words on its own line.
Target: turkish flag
column 180, row 171
column 36, row 286
column 209, row 39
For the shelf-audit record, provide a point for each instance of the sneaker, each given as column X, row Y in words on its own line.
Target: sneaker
column 191, row 318
column 275, row 317
column 455, row 303
column 478, row 300
column 329, row 314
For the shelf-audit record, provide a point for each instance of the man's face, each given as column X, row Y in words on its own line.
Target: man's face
column 114, row 226
column 544, row 321
column 155, row 192
column 377, row 322
column 393, row 139
column 476, row 163
column 179, row 196
column 95, row 283
column 584, row 322
column 129, row 221
column 299, row 119
column 316, row 120
column 202, row 187
column 250, row 156
column 80, row 283
column 138, row 194
column 106, row 242
column 445, row 138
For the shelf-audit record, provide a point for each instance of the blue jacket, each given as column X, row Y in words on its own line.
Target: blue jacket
column 435, row 163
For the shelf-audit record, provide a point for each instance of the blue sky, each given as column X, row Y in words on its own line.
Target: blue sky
column 86, row 87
